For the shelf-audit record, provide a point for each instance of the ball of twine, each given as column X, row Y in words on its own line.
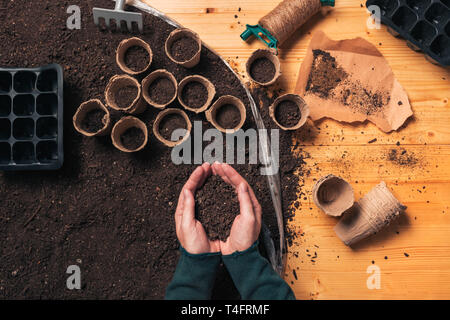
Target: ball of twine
column 288, row 16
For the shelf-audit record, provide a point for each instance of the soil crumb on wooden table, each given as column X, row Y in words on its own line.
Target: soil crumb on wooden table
column 194, row 94
column 228, row 116
column 262, row 70
column 136, row 58
column 161, row 90
column 184, row 49
column 217, row 206
column 170, row 123
column 93, row 121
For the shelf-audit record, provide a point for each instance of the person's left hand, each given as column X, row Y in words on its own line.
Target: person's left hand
column 190, row 232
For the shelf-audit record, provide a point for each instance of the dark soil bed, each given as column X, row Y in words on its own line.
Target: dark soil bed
column 109, row 212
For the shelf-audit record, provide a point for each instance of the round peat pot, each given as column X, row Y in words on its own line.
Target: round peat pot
column 184, row 47
column 160, row 88
column 169, row 120
column 263, row 67
column 289, row 112
column 92, row 119
column 129, row 134
column 123, row 93
column 195, row 93
column 333, row 195
column 124, row 50
column 227, row 114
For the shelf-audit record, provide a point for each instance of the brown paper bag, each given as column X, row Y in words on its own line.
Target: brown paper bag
column 350, row 81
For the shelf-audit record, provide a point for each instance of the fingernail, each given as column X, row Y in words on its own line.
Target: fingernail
column 243, row 187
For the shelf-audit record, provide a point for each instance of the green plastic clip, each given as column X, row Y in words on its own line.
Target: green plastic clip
column 262, row 34
column 329, row 3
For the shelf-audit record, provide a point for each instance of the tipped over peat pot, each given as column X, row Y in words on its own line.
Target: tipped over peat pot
column 167, row 122
column 92, row 119
column 129, row 134
column 289, row 112
column 183, row 47
column 195, row 93
column 31, row 118
column 263, row 67
column 124, row 93
column 160, row 88
column 333, row 195
column 227, row 114
column 134, row 56
column 376, row 210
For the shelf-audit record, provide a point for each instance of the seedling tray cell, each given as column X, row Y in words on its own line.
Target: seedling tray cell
column 424, row 24
column 31, row 118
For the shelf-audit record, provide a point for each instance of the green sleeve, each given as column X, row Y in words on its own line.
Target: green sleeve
column 194, row 276
column 255, row 278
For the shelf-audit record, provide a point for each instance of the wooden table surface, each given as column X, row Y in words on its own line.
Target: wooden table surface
column 413, row 254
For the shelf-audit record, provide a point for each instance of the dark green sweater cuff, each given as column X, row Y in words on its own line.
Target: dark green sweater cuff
column 194, row 276
column 254, row 277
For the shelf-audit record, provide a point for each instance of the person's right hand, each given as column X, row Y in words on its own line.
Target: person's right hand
column 247, row 225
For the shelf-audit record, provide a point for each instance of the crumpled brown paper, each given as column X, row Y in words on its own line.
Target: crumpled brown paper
column 369, row 89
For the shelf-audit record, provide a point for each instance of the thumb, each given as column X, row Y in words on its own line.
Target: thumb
column 189, row 208
column 245, row 202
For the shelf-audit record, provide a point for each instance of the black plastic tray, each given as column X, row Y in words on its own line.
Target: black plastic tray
column 425, row 24
column 31, row 118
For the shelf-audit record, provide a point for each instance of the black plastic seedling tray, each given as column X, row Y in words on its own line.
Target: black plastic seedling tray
column 31, row 118
column 424, row 24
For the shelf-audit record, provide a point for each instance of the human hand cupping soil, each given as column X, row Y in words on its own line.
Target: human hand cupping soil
column 247, row 225
column 190, row 232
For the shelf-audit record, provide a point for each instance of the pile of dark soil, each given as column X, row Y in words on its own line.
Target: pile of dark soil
column 287, row 114
column 328, row 80
column 125, row 96
column 170, row 123
column 325, row 74
column 161, row 90
column 262, row 70
column 93, row 121
column 109, row 212
column 183, row 49
column 132, row 138
column 194, row 94
column 136, row 58
column 216, row 215
column 228, row 116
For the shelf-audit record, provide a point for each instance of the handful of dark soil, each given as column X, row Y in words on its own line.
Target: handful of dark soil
column 217, row 206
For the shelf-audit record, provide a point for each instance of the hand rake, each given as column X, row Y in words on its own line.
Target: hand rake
column 119, row 15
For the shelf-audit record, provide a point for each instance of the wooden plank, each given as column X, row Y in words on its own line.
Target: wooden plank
column 424, row 231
